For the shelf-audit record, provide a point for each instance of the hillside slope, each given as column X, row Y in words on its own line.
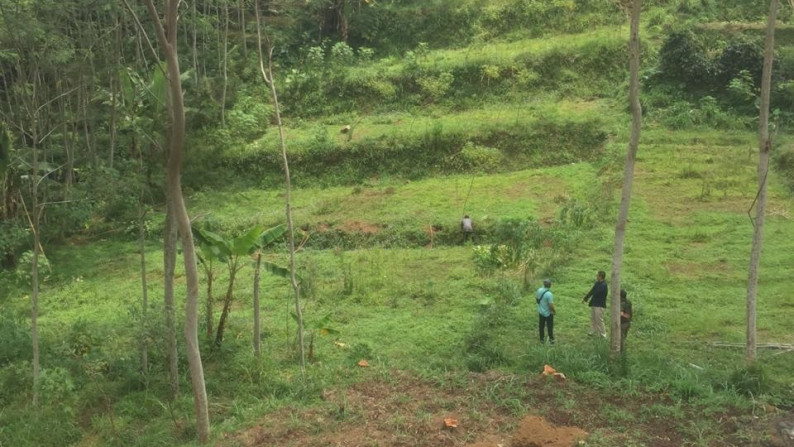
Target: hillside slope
column 510, row 111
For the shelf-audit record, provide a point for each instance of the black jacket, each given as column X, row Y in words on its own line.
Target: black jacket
column 598, row 294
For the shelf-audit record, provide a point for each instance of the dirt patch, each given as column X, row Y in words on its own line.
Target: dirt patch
column 397, row 409
column 535, row 431
column 357, row 226
column 350, row 226
column 395, row 412
column 695, row 270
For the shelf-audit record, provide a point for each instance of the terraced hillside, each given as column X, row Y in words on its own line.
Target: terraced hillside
column 512, row 112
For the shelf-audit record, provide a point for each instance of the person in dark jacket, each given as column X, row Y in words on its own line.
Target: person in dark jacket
column 625, row 319
column 598, row 304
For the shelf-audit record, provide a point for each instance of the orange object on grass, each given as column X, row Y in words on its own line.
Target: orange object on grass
column 450, row 423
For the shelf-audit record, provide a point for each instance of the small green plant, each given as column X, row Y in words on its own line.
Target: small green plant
column 342, row 54
column 690, row 172
column 489, row 258
column 345, row 267
column 475, row 158
column 315, row 57
column 489, row 73
column 750, row 381
column 575, row 213
column 365, row 54
column 435, row 87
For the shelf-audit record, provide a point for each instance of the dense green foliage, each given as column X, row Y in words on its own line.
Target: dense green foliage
column 400, row 117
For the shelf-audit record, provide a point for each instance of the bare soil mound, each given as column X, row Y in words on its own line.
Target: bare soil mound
column 535, row 431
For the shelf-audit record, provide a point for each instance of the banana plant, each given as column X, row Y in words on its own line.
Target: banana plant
column 209, row 253
column 323, row 326
column 215, row 247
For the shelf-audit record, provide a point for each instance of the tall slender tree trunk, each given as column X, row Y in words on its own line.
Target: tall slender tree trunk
column 628, row 176
column 764, row 150
column 169, row 265
column 225, row 61
column 114, row 89
column 176, row 141
column 195, row 46
column 267, row 76
column 144, row 286
column 34, row 296
column 241, row 9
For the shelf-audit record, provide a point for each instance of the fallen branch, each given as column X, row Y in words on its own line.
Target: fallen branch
column 723, row 344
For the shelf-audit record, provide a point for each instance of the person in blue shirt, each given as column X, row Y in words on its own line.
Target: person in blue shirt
column 546, row 311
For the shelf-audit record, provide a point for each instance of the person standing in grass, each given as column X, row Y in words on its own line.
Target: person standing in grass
column 598, row 304
column 467, row 226
column 625, row 320
column 546, row 311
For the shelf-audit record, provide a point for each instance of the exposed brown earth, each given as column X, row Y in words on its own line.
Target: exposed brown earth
column 399, row 410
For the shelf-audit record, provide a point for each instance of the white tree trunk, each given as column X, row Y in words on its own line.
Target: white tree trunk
column 628, row 176
column 176, row 110
column 267, row 75
column 764, row 149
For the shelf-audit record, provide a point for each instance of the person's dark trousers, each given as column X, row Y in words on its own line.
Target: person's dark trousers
column 542, row 323
column 624, row 332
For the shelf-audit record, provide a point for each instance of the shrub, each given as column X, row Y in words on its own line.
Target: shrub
column 248, row 119
column 371, row 89
column 342, row 54
column 683, row 60
column 741, row 92
column 575, row 213
column 738, row 57
column 475, row 158
column 16, row 340
column 435, row 87
column 13, row 240
column 750, row 381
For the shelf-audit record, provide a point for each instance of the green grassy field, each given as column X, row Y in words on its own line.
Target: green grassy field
column 446, row 331
column 428, row 312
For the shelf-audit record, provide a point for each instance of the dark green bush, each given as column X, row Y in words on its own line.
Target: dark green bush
column 14, row 239
column 743, row 55
column 16, row 345
column 683, row 60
